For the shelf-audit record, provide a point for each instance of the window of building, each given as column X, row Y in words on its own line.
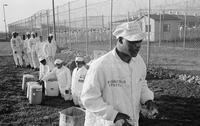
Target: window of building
column 166, row 28
column 146, row 28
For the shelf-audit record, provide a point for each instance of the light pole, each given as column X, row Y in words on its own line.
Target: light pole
column 5, row 18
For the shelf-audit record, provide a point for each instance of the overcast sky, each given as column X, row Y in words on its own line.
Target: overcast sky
column 20, row 9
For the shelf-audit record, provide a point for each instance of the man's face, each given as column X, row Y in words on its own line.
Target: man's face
column 59, row 65
column 28, row 36
column 132, row 48
column 79, row 64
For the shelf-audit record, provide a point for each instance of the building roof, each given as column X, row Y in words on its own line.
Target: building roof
column 164, row 17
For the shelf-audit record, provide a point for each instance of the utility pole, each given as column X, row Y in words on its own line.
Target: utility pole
column 54, row 21
column 5, row 18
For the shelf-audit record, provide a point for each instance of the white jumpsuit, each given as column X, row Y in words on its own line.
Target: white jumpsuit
column 34, row 57
column 63, row 76
column 25, row 55
column 29, row 52
column 44, row 69
column 50, row 52
column 112, row 85
column 17, row 52
column 78, row 77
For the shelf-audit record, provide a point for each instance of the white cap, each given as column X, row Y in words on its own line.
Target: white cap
column 79, row 58
column 32, row 33
column 13, row 33
column 50, row 34
column 58, row 61
column 27, row 33
column 130, row 30
column 41, row 58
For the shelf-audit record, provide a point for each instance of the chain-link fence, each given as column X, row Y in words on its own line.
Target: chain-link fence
column 174, row 36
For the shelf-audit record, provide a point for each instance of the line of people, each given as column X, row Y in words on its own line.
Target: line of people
column 31, row 49
column 114, row 89
column 34, row 53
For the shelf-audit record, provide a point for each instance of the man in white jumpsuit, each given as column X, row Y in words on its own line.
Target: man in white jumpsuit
column 32, row 45
column 50, row 51
column 44, row 68
column 16, row 48
column 24, row 52
column 115, row 85
column 27, row 43
column 78, row 77
column 63, row 76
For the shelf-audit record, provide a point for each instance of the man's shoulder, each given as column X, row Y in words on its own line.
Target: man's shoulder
column 100, row 62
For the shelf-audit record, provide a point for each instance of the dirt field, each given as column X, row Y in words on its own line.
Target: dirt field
column 178, row 105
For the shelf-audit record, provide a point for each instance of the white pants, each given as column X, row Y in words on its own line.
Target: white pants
column 34, row 59
column 26, row 60
column 50, row 63
column 77, row 99
column 30, row 59
column 17, row 58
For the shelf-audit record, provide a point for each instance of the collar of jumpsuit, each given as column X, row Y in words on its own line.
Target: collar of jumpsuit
column 124, row 57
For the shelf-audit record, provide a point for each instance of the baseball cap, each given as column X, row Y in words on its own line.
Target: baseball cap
column 131, row 31
column 41, row 58
column 79, row 59
column 58, row 61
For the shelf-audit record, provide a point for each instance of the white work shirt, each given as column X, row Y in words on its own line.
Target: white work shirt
column 32, row 44
column 112, row 85
column 39, row 49
column 63, row 76
column 44, row 69
column 15, row 44
column 78, row 77
column 20, row 42
column 49, row 49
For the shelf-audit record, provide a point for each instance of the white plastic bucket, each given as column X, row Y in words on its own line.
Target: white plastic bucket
column 72, row 116
column 28, row 87
column 51, row 88
column 35, row 94
column 26, row 78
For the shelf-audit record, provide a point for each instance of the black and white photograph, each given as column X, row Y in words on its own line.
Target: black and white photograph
column 99, row 63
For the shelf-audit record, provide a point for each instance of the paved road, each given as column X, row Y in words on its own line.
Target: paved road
column 5, row 49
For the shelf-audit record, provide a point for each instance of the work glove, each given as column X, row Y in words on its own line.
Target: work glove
column 149, row 109
column 150, row 105
column 122, row 118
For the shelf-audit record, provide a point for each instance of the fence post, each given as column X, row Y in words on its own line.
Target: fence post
column 86, row 27
column 54, row 21
column 111, row 15
column 148, row 41
column 70, row 43
column 41, row 29
column 47, row 13
column 58, row 25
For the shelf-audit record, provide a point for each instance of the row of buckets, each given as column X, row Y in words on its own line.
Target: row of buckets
column 72, row 116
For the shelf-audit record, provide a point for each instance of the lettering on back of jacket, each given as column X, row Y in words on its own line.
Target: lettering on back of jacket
column 116, row 83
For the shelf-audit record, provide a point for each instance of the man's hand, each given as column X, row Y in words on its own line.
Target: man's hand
column 149, row 109
column 122, row 118
column 41, row 82
column 15, row 52
column 150, row 105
